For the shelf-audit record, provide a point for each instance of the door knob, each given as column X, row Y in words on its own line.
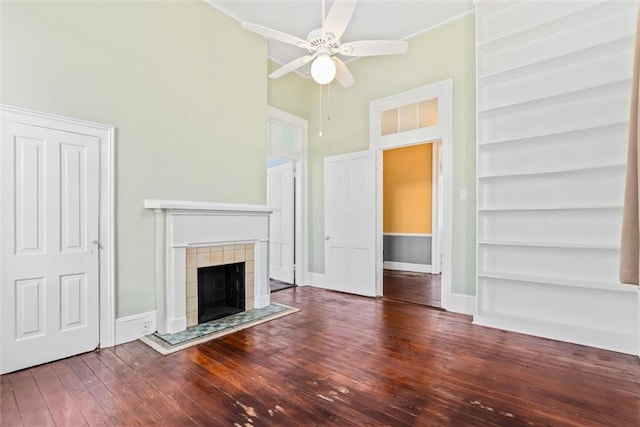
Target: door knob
column 326, row 238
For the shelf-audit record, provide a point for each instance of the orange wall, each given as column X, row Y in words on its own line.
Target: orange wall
column 407, row 189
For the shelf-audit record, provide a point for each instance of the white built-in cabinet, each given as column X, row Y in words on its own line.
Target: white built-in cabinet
column 553, row 94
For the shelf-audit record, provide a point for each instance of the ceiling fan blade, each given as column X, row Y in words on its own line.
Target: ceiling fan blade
column 338, row 17
column 291, row 66
column 343, row 75
column 275, row 34
column 373, row 47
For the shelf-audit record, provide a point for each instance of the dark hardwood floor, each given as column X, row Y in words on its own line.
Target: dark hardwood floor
column 416, row 288
column 342, row 360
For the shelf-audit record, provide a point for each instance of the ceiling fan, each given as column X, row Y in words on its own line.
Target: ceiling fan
column 323, row 44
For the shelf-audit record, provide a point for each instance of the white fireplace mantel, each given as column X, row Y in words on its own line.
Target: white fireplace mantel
column 183, row 224
column 179, row 205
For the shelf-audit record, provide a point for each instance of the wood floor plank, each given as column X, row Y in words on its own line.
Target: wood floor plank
column 342, row 360
column 358, row 387
column 135, row 409
column 539, row 353
column 173, row 376
column 61, row 405
column 248, row 395
column 415, row 288
column 90, row 408
column 307, row 402
column 9, row 413
column 112, row 404
column 32, row 407
column 142, row 353
column 159, row 404
column 319, row 387
column 203, row 402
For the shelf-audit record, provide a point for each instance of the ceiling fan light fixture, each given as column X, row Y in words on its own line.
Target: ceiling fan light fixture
column 323, row 69
column 323, row 42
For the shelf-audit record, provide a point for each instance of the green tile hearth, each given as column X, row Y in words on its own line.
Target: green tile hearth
column 219, row 325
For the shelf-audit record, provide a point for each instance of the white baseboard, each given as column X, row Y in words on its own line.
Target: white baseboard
column 624, row 343
column 407, row 266
column 461, row 303
column 131, row 328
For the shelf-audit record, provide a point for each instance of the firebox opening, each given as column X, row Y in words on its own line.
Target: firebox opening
column 220, row 291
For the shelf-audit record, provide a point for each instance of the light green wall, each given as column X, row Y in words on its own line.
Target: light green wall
column 182, row 84
column 442, row 53
column 289, row 93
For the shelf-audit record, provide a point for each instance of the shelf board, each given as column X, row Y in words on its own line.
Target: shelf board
column 557, row 208
column 537, row 138
column 555, row 172
column 582, row 55
column 573, row 95
column 557, row 245
column 543, row 29
column 557, row 281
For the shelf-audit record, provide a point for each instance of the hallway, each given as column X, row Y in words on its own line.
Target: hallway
column 416, row 288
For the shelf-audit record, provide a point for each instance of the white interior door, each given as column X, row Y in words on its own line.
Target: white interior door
column 280, row 198
column 50, row 192
column 349, row 222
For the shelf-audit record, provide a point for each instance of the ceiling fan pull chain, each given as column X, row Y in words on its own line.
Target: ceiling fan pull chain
column 320, row 115
column 328, row 101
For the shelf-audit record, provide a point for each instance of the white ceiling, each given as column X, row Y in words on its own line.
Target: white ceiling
column 372, row 19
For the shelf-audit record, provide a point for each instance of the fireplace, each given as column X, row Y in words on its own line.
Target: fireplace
column 220, row 291
column 196, row 235
column 230, row 269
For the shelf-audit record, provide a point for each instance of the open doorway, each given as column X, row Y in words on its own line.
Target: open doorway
column 281, row 199
column 286, row 195
column 411, row 219
column 411, row 118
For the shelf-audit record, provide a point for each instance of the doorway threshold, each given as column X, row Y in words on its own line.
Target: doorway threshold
column 277, row 285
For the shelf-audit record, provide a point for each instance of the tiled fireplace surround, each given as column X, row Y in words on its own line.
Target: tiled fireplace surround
column 190, row 235
column 208, row 256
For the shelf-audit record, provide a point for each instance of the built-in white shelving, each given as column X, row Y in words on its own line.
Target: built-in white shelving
column 557, row 281
column 553, row 92
column 557, row 245
column 537, row 137
column 553, row 208
column 581, row 13
column 552, row 172
column 573, row 95
column 624, row 44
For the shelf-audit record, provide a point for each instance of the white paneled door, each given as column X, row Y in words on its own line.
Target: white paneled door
column 280, row 195
column 50, row 187
column 349, row 222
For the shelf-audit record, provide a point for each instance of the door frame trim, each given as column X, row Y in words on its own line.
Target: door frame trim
column 301, row 177
column 443, row 132
column 106, row 136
